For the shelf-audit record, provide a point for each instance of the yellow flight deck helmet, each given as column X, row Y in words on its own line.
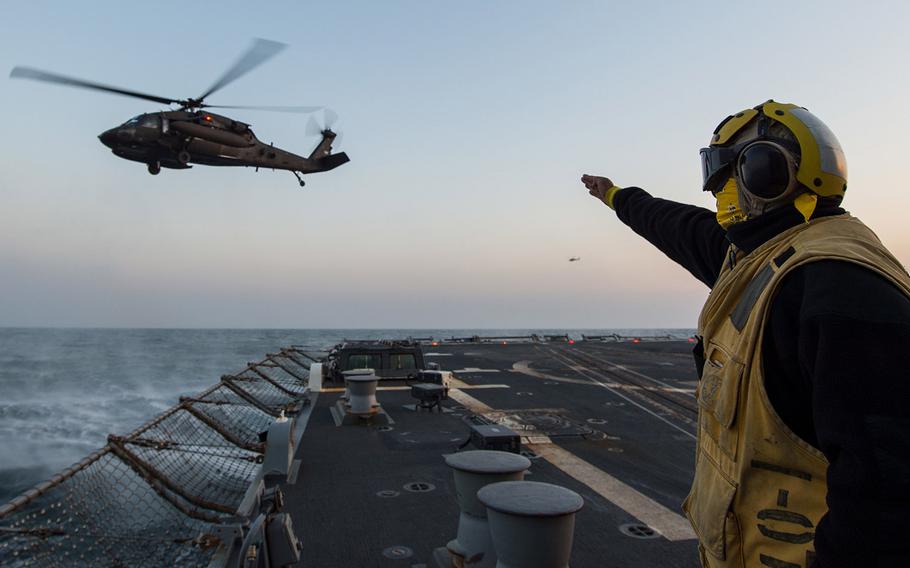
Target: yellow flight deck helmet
column 775, row 152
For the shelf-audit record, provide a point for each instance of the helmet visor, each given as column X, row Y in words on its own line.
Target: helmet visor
column 716, row 165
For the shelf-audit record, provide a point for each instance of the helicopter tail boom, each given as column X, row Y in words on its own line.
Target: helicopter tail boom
column 324, row 149
column 332, row 161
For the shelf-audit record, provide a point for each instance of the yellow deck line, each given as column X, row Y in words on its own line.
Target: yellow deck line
column 672, row 526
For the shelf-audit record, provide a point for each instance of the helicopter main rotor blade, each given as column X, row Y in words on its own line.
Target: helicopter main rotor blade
column 257, row 54
column 296, row 109
column 312, row 127
column 330, row 117
column 38, row 75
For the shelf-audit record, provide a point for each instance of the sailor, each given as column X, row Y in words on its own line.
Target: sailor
column 803, row 451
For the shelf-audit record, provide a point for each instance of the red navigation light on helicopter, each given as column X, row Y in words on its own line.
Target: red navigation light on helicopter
column 434, row 343
column 636, row 340
column 208, row 118
column 571, row 342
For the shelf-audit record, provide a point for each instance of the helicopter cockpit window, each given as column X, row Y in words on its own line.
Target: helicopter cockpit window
column 150, row 121
column 133, row 121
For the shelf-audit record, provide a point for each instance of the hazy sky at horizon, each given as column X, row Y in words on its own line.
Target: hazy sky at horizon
column 468, row 125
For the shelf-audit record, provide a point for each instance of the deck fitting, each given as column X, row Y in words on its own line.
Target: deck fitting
column 397, row 552
column 532, row 524
column 638, row 530
column 473, row 470
column 361, row 406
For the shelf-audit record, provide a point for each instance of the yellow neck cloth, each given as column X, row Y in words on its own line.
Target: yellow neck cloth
column 729, row 211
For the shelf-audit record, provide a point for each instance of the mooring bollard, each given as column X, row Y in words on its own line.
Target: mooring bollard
column 473, row 546
column 531, row 523
column 345, row 375
column 362, row 389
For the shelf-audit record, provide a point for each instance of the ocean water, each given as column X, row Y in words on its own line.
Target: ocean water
column 62, row 391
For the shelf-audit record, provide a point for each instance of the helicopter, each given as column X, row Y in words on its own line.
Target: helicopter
column 574, row 259
column 175, row 139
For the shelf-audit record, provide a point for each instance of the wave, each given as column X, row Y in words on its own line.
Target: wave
column 65, row 390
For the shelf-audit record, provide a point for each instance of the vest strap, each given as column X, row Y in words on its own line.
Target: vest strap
column 741, row 312
column 780, row 259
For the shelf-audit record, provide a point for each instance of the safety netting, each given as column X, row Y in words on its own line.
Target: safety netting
column 154, row 496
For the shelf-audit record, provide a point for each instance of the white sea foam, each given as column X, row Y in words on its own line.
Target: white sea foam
column 62, row 391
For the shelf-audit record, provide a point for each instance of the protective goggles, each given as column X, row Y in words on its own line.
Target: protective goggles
column 763, row 165
column 716, row 165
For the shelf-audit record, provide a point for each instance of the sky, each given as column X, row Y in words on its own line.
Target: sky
column 468, row 125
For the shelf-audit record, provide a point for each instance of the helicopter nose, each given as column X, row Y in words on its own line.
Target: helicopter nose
column 108, row 137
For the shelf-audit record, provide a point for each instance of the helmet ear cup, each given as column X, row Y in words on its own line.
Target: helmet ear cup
column 764, row 170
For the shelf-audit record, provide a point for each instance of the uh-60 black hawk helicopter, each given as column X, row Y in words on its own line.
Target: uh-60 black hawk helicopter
column 191, row 135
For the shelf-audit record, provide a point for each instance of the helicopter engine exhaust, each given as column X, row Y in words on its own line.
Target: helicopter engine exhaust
column 213, row 134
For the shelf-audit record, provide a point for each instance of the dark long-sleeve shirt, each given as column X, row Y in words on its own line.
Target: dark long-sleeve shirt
column 833, row 367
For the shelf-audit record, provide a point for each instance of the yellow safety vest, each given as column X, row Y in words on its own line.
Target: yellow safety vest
column 759, row 490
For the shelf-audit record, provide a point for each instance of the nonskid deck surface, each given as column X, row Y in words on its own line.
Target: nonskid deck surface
column 614, row 422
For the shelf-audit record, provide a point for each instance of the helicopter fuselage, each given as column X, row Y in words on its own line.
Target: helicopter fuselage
column 176, row 139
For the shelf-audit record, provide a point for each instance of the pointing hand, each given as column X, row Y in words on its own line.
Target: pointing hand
column 601, row 188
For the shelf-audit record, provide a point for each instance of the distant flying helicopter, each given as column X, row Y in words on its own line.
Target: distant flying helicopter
column 191, row 135
column 575, row 259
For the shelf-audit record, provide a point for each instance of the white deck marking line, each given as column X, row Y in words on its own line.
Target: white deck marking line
column 437, row 354
column 469, row 401
column 475, row 370
column 524, row 367
column 407, row 387
column 671, row 525
column 642, row 375
column 650, row 389
column 624, row 397
column 456, row 383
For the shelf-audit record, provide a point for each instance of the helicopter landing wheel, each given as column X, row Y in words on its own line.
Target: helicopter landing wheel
column 155, row 168
column 300, row 179
column 183, row 157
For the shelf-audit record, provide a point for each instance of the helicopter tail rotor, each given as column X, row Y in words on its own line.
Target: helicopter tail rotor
column 323, row 128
